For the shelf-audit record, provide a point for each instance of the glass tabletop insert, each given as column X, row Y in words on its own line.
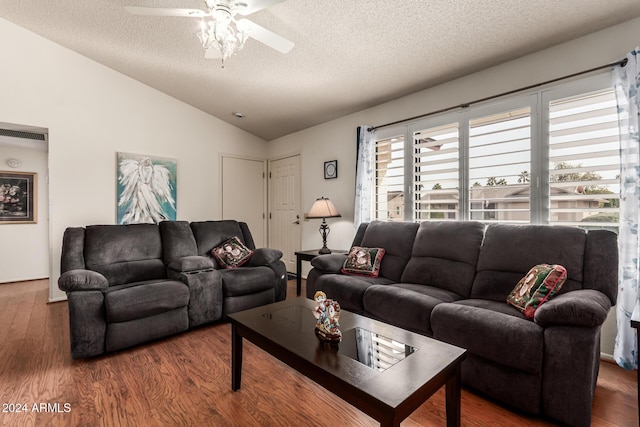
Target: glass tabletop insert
column 373, row 350
column 369, row 348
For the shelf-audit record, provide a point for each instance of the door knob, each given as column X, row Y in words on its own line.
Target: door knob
column 297, row 221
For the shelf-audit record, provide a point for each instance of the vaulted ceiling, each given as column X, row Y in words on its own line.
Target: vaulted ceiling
column 349, row 54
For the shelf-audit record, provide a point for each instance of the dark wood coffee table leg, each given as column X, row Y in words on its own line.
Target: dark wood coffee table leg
column 236, row 358
column 453, row 400
column 391, row 422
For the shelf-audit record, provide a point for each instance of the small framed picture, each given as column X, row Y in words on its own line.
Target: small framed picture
column 18, row 197
column 331, row 169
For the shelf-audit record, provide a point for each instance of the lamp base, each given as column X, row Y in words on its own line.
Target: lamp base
column 324, row 232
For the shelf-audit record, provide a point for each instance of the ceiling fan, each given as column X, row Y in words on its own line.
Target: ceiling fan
column 221, row 34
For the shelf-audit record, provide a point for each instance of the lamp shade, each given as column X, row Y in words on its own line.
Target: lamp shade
column 323, row 208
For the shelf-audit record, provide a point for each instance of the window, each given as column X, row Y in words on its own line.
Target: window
column 584, row 162
column 499, row 166
column 549, row 157
column 436, row 172
column 388, row 199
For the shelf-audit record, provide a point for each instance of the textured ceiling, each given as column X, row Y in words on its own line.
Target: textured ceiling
column 348, row 54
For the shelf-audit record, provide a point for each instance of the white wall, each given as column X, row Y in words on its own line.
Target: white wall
column 92, row 112
column 25, row 249
column 336, row 139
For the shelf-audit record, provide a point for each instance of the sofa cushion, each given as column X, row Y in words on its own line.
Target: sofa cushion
column 363, row 261
column 231, row 253
column 72, row 249
column 209, row 234
column 329, row 263
column 347, row 290
column 509, row 251
column 539, row 285
column 133, row 271
column 397, row 240
column 126, row 334
column 602, row 275
column 264, row 256
column 499, row 307
column 246, row 280
column 445, row 254
column 136, row 301
column 124, row 253
column 191, row 264
column 177, row 240
column 492, row 330
column 405, row 305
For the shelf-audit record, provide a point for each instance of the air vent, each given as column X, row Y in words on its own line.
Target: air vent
column 22, row 134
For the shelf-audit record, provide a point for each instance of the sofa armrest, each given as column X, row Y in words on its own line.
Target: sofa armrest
column 192, row 264
column 586, row 307
column 330, row 263
column 205, row 289
column 87, row 323
column 264, row 256
column 82, row 280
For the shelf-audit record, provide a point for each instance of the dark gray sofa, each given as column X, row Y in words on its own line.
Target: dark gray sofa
column 129, row 284
column 450, row 280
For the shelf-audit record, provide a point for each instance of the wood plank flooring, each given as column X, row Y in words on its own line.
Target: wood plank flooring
column 185, row 380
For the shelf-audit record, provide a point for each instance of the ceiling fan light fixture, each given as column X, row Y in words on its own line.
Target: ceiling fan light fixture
column 221, row 34
column 220, row 31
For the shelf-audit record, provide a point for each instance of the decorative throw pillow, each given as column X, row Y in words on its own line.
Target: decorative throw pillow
column 538, row 286
column 363, row 261
column 232, row 253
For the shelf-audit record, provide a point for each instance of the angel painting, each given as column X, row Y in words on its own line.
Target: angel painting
column 146, row 189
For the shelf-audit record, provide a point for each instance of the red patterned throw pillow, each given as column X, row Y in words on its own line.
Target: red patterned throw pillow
column 363, row 261
column 232, row 253
column 537, row 287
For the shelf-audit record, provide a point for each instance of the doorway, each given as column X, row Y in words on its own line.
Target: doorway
column 284, row 208
column 244, row 194
column 26, row 254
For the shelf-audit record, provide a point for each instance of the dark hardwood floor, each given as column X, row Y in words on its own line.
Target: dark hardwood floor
column 185, row 380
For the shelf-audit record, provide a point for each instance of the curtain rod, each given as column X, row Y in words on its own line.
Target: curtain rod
column 621, row 63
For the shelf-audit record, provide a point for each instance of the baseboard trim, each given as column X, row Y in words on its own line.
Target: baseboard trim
column 4, row 282
column 607, row 357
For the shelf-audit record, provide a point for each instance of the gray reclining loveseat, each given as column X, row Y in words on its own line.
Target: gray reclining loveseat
column 128, row 284
column 450, row 280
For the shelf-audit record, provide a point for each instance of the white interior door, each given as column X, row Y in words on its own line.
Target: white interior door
column 244, row 195
column 284, row 208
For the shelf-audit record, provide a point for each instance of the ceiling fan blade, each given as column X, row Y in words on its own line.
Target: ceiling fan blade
column 255, row 5
column 165, row 11
column 212, row 53
column 267, row 37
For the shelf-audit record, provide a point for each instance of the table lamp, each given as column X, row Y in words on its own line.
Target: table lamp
column 323, row 208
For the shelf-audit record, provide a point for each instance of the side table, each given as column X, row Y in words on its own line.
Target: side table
column 307, row 256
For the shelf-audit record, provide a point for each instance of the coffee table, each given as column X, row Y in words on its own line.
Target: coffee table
column 384, row 371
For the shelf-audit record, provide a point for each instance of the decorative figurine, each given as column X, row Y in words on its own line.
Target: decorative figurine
column 327, row 314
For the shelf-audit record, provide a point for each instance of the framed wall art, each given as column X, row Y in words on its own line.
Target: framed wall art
column 146, row 188
column 18, row 197
column 331, row 169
